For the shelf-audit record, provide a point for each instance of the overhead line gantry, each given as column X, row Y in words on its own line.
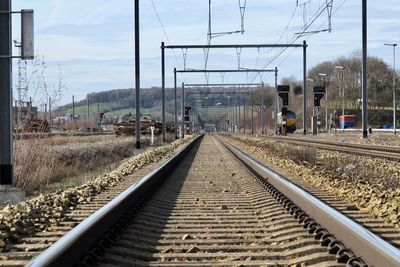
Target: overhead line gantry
column 236, row 46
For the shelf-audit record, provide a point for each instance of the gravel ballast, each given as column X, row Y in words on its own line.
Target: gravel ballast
column 46, row 210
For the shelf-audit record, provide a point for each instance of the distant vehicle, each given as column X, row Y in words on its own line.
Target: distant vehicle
column 347, row 121
column 291, row 121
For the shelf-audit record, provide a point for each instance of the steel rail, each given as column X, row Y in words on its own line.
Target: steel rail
column 372, row 151
column 359, row 146
column 373, row 249
column 80, row 239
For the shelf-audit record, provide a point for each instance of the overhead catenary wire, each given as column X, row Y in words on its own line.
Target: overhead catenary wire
column 296, row 37
column 164, row 30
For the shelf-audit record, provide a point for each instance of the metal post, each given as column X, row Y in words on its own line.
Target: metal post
column 88, row 106
column 394, row 86
column 137, row 74
column 234, row 119
column 183, row 110
column 163, row 91
column 244, row 115
column 262, row 108
column 240, row 103
column 252, row 113
column 45, row 111
column 6, row 142
column 305, row 87
column 343, row 96
column 394, row 89
column 364, row 71
column 276, row 101
column 73, row 108
column 176, row 108
column 326, row 103
column 50, row 117
column 98, row 116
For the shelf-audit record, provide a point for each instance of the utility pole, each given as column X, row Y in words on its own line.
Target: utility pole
column 262, row 109
column 244, row 115
column 276, row 101
column 342, row 90
column 6, row 142
column 176, row 107
column 304, row 87
column 364, row 70
column 394, row 86
column 50, row 117
column 163, row 91
column 252, row 113
column 73, row 108
column 137, row 73
column 183, row 110
column 240, row 103
column 88, row 106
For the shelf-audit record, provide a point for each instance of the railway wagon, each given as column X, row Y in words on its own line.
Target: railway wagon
column 347, row 121
column 291, row 121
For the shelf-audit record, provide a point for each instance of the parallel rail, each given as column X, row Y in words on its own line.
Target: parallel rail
column 388, row 152
column 70, row 247
column 373, row 250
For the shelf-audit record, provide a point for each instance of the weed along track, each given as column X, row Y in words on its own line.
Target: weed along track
column 212, row 205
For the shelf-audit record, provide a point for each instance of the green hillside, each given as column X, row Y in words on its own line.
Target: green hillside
column 115, row 103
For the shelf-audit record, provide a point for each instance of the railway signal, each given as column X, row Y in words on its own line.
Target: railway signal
column 187, row 110
column 283, row 93
column 319, row 93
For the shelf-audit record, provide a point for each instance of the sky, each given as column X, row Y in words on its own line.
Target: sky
column 91, row 41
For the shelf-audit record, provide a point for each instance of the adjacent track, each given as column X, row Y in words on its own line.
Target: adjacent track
column 203, row 208
column 388, row 152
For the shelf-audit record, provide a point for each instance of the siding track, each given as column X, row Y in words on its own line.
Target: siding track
column 387, row 152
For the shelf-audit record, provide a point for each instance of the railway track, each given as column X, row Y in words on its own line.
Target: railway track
column 388, row 152
column 202, row 208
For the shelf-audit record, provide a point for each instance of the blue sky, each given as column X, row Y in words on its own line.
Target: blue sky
column 92, row 40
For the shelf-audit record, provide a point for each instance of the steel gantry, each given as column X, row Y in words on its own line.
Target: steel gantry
column 236, row 46
column 208, row 85
column 241, row 94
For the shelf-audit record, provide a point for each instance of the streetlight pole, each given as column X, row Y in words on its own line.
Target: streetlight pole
column 326, row 99
column 394, row 86
column 342, row 89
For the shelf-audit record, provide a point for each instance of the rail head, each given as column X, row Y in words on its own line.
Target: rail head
column 69, row 248
column 373, row 249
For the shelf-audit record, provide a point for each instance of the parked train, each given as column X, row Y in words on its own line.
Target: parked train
column 291, row 122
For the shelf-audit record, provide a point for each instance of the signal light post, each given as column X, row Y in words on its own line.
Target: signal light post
column 318, row 92
column 326, row 98
column 283, row 93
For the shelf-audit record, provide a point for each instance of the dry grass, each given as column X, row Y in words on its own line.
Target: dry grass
column 40, row 162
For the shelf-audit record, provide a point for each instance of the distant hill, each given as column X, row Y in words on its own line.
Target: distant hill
column 119, row 102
